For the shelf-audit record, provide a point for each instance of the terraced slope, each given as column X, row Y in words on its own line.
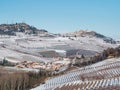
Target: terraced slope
column 105, row 74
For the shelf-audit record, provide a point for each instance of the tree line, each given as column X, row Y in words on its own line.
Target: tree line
column 108, row 53
column 22, row 80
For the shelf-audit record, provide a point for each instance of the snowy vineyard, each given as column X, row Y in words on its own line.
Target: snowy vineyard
column 90, row 85
column 105, row 74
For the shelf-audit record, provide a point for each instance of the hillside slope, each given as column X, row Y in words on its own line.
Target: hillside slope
column 11, row 29
column 90, row 34
column 103, row 75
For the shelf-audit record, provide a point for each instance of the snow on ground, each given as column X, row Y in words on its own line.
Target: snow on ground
column 17, row 47
column 66, row 62
column 15, row 56
column 21, row 69
column 107, row 61
column 87, row 43
column 62, row 39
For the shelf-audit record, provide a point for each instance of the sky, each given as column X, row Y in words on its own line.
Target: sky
column 61, row 16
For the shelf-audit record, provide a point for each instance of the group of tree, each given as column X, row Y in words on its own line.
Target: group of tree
column 22, row 80
column 108, row 53
column 5, row 62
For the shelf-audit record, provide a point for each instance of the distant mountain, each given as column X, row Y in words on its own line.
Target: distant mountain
column 90, row 34
column 11, row 29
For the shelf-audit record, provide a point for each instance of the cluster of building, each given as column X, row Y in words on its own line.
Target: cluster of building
column 52, row 66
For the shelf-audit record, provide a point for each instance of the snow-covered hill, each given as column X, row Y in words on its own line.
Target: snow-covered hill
column 90, row 34
column 11, row 29
column 34, row 45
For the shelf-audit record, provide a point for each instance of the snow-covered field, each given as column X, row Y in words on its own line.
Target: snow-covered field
column 28, row 47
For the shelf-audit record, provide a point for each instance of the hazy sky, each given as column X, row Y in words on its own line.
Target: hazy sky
column 102, row 16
